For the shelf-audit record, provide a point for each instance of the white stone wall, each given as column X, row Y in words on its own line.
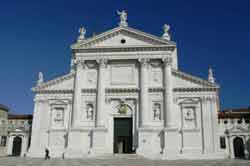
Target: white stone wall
column 174, row 114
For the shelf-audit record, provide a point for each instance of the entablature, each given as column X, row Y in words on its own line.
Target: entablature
column 122, row 55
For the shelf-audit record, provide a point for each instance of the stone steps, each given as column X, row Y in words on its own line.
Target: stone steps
column 120, row 156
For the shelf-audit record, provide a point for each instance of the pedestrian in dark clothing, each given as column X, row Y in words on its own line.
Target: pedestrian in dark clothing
column 47, row 154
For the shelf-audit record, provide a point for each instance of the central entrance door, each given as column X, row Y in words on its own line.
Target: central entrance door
column 122, row 135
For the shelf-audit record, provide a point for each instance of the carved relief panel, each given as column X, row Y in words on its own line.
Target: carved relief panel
column 122, row 107
column 156, row 74
column 122, row 74
column 189, row 117
column 189, row 113
column 58, row 117
column 59, row 113
column 91, row 77
column 91, row 74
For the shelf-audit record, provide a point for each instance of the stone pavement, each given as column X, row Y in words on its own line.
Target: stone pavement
column 116, row 161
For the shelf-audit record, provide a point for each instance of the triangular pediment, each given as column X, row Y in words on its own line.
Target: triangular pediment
column 62, row 83
column 184, row 80
column 122, row 37
column 238, row 129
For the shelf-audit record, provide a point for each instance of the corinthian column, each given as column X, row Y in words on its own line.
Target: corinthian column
column 168, row 94
column 144, row 91
column 100, row 114
column 77, row 92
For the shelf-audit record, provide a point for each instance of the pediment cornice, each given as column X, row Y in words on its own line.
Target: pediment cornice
column 206, row 84
column 237, row 129
column 134, row 33
column 43, row 86
column 124, row 49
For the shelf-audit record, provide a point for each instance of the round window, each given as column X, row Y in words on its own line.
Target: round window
column 123, row 41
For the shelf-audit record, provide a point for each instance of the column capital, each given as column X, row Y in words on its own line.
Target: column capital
column 167, row 61
column 79, row 63
column 144, row 61
column 102, row 62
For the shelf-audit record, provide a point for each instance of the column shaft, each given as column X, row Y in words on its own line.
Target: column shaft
column 101, row 94
column 168, row 94
column 77, row 94
column 144, row 92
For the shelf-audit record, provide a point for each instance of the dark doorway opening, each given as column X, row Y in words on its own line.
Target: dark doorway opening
column 123, row 135
column 238, row 148
column 17, row 146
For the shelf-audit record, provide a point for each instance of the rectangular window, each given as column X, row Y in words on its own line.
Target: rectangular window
column 222, row 143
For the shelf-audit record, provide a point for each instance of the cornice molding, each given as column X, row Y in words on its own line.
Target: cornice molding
column 121, row 90
column 194, row 79
column 59, row 91
column 124, row 49
column 53, row 82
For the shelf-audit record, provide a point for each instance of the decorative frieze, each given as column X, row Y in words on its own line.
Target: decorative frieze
column 89, row 90
column 194, row 89
column 122, row 90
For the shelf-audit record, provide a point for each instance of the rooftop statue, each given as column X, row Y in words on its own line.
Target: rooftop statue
column 40, row 78
column 123, row 18
column 211, row 75
column 166, row 34
column 82, row 32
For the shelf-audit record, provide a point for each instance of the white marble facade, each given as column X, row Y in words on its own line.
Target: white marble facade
column 126, row 73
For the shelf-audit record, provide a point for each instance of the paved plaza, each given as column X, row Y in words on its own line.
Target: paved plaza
column 116, row 161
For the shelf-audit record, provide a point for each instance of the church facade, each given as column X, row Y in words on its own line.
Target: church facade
column 126, row 94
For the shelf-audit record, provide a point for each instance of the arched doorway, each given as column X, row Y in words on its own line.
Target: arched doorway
column 238, row 148
column 17, row 146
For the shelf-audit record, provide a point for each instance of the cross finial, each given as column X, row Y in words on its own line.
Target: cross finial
column 166, row 34
column 82, row 32
column 123, row 18
column 211, row 75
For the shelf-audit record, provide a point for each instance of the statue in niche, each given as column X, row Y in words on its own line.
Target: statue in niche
column 90, row 111
column 189, row 113
column 157, row 111
column 58, row 114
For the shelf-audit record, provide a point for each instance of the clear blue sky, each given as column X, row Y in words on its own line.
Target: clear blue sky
column 35, row 36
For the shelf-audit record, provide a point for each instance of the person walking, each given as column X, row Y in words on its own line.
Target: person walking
column 47, row 154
